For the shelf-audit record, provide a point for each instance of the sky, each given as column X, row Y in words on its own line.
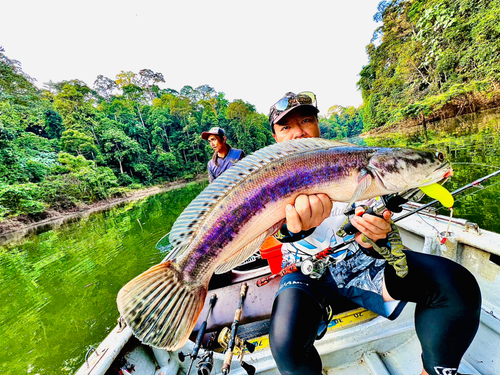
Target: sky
column 250, row 50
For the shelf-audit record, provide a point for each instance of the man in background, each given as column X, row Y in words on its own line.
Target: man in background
column 224, row 155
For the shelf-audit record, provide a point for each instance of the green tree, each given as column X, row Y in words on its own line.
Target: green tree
column 440, row 57
column 119, row 148
column 78, row 143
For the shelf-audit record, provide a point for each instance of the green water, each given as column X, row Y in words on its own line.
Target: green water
column 59, row 287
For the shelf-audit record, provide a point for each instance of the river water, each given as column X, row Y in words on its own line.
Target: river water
column 59, row 287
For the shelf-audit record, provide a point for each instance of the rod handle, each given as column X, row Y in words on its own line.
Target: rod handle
column 228, row 358
column 243, row 290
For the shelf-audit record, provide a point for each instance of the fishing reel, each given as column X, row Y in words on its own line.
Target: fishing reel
column 315, row 268
column 183, row 356
column 240, row 345
column 239, row 348
column 206, row 363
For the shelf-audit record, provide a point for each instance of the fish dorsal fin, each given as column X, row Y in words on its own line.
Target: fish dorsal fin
column 188, row 223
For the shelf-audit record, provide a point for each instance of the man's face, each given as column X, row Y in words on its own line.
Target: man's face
column 215, row 143
column 297, row 124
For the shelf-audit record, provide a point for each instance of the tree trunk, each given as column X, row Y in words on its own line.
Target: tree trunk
column 168, row 140
column 140, row 115
column 143, row 125
column 95, row 135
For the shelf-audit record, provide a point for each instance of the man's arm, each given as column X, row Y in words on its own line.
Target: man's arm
column 211, row 176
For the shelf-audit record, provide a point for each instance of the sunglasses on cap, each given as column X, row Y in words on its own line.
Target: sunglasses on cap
column 288, row 102
column 291, row 100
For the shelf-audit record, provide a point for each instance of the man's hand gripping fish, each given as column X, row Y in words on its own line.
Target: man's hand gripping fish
column 233, row 216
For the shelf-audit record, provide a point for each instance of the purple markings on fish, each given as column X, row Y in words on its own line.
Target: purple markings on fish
column 233, row 216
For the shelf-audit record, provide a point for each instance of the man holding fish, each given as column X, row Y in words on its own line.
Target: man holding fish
column 293, row 182
column 447, row 295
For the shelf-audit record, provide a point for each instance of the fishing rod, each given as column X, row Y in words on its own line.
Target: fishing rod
column 199, row 337
column 232, row 341
column 459, row 190
column 310, row 266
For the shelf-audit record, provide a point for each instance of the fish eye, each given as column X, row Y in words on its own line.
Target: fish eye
column 440, row 156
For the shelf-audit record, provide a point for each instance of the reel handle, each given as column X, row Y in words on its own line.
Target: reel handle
column 248, row 368
column 392, row 203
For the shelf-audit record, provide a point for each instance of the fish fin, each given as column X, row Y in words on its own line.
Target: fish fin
column 364, row 182
column 243, row 254
column 191, row 219
column 161, row 307
column 174, row 253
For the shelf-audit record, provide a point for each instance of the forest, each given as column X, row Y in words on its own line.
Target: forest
column 70, row 143
column 431, row 59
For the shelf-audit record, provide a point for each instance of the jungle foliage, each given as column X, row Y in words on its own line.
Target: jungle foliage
column 70, row 143
column 431, row 58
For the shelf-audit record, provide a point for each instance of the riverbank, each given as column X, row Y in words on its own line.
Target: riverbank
column 16, row 228
column 465, row 104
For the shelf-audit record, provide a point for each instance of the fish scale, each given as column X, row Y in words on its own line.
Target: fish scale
column 233, row 216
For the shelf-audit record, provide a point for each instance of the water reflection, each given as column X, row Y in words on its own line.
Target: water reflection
column 61, row 285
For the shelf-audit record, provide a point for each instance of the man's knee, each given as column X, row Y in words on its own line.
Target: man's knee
column 293, row 329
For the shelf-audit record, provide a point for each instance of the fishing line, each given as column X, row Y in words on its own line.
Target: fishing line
column 479, row 164
column 449, row 222
column 432, row 226
column 480, row 188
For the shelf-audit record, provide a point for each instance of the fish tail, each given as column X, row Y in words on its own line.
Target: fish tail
column 161, row 307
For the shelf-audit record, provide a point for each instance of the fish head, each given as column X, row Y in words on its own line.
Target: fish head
column 398, row 169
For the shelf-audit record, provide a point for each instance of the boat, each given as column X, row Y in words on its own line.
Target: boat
column 357, row 341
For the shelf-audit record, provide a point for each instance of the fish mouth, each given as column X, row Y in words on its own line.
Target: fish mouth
column 449, row 173
column 446, row 165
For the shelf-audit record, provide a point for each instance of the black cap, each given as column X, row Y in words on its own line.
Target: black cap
column 214, row 131
column 290, row 102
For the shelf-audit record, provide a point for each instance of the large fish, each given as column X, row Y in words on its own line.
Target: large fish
column 233, row 216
